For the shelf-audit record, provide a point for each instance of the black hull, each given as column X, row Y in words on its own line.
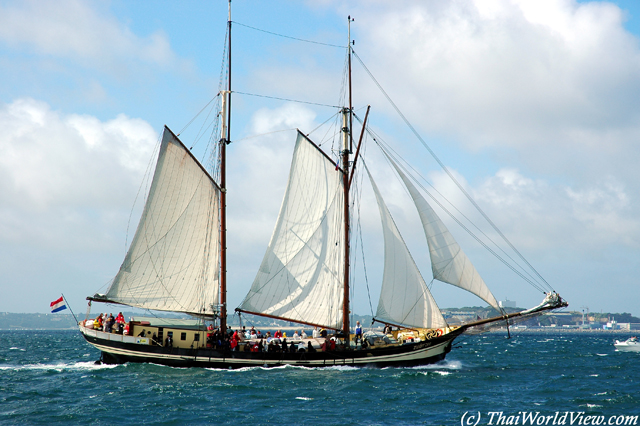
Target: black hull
column 408, row 355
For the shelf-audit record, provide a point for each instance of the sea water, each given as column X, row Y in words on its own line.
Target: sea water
column 50, row 378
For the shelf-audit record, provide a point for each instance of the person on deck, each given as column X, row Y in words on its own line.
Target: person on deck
column 358, row 332
column 97, row 324
column 234, row 341
column 120, row 323
column 310, row 347
column 108, row 324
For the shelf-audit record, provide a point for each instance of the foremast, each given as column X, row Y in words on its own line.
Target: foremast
column 224, row 141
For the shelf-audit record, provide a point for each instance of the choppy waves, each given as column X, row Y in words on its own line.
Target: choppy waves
column 51, row 378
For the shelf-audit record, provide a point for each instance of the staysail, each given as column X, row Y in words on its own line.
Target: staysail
column 173, row 261
column 448, row 262
column 404, row 297
column 300, row 276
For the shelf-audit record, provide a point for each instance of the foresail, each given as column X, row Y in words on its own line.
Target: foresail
column 300, row 277
column 404, row 297
column 448, row 262
column 173, row 261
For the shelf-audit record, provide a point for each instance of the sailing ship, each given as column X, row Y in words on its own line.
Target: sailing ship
column 177, row 263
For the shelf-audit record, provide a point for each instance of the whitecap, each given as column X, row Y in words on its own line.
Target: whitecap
column 602, row 354
column 13, row 348
column 304, row 398
column 450, row 365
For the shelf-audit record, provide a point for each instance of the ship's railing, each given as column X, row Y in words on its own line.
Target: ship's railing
column 114, row 336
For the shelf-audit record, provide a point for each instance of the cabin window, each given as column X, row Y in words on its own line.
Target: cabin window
column 183, row 336
column 196, row 337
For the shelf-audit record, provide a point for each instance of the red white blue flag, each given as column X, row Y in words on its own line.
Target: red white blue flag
column 58, row 305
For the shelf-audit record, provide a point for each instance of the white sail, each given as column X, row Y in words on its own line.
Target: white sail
column 404, row 297
column 448, row 262
column 173, row 261
column 300, row 277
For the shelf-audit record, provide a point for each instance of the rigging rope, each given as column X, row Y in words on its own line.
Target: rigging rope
column 197, row 115
column 289, row 37
column 285, row 99
column 463, row 226
column 388, row 149
column 451, row 176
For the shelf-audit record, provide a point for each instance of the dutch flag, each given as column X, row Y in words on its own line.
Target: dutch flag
column 58, row 305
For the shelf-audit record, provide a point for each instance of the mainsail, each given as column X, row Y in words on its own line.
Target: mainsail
column 448, row 262
column 300, row 276
column 173, row 261
column 404, row 297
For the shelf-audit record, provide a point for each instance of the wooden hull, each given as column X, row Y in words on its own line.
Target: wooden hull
column 117, row 350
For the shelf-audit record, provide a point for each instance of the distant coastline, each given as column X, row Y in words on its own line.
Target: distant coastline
column 13, row 321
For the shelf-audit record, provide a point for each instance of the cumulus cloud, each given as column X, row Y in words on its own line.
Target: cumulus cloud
column 539, row 215
column 81, row 32
column 66, row 178
column 495, row 67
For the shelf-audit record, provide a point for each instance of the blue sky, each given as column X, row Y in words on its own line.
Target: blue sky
column 533, row 105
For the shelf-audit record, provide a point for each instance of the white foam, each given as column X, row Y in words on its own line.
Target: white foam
column 447, row 365
column 59, row 367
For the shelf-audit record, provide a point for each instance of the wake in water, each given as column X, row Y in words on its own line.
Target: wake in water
column 76, row 366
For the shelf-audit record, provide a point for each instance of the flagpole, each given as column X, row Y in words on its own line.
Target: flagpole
column 74, row 315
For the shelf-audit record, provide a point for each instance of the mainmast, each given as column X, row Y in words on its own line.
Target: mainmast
column 346, row 150
column 226, row 138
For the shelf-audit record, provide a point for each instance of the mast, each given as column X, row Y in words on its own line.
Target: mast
column 226, row 137
column 346, row 131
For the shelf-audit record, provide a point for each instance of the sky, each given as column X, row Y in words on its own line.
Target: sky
column 533, row 106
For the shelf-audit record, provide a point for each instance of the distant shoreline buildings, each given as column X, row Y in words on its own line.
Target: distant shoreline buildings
column 556, row 321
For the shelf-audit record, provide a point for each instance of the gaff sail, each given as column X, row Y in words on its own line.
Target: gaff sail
column 173, row 261
column 300, row 278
